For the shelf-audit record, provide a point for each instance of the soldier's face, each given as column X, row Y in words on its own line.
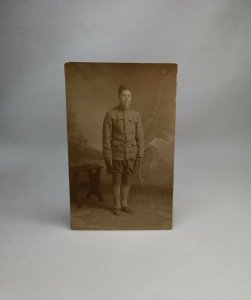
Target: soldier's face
column 125, row 99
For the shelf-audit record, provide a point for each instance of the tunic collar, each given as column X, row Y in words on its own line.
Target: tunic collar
column 120, row 108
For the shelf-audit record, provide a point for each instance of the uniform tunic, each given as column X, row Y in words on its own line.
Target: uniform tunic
column 122, row 135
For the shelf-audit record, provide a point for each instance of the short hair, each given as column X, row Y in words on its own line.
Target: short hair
column 124, row 87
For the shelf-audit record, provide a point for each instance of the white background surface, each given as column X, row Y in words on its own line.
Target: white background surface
column 207, row 254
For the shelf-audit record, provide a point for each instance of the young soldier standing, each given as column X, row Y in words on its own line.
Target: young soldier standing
column 123, row 147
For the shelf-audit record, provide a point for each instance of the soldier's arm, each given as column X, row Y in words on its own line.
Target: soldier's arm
column 139, row 137
column 107, row 136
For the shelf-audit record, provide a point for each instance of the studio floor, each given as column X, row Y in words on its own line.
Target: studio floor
column 152, row 209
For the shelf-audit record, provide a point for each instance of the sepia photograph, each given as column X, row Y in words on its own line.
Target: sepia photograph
column 125, row 162
column 121, row 132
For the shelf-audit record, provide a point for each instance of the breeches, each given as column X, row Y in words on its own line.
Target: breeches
column 122, row 171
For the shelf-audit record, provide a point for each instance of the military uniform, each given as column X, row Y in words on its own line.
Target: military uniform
column 122, row 145
column 122, row 135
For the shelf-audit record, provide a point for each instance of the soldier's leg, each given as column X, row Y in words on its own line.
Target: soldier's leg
column 126, row 183
column 116, row 182
column 125, row 189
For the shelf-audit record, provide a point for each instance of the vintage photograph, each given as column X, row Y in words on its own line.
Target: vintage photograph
column 121, row 128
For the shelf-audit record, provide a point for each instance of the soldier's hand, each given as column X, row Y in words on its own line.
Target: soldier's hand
column 108, row 164
column 139, row 161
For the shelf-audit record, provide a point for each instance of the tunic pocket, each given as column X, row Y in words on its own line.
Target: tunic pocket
column 116, row 143
column 118, row 123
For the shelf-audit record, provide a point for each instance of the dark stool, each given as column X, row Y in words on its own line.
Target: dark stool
column 93, row 173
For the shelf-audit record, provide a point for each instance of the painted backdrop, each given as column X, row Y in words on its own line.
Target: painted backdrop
column 91, row 90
